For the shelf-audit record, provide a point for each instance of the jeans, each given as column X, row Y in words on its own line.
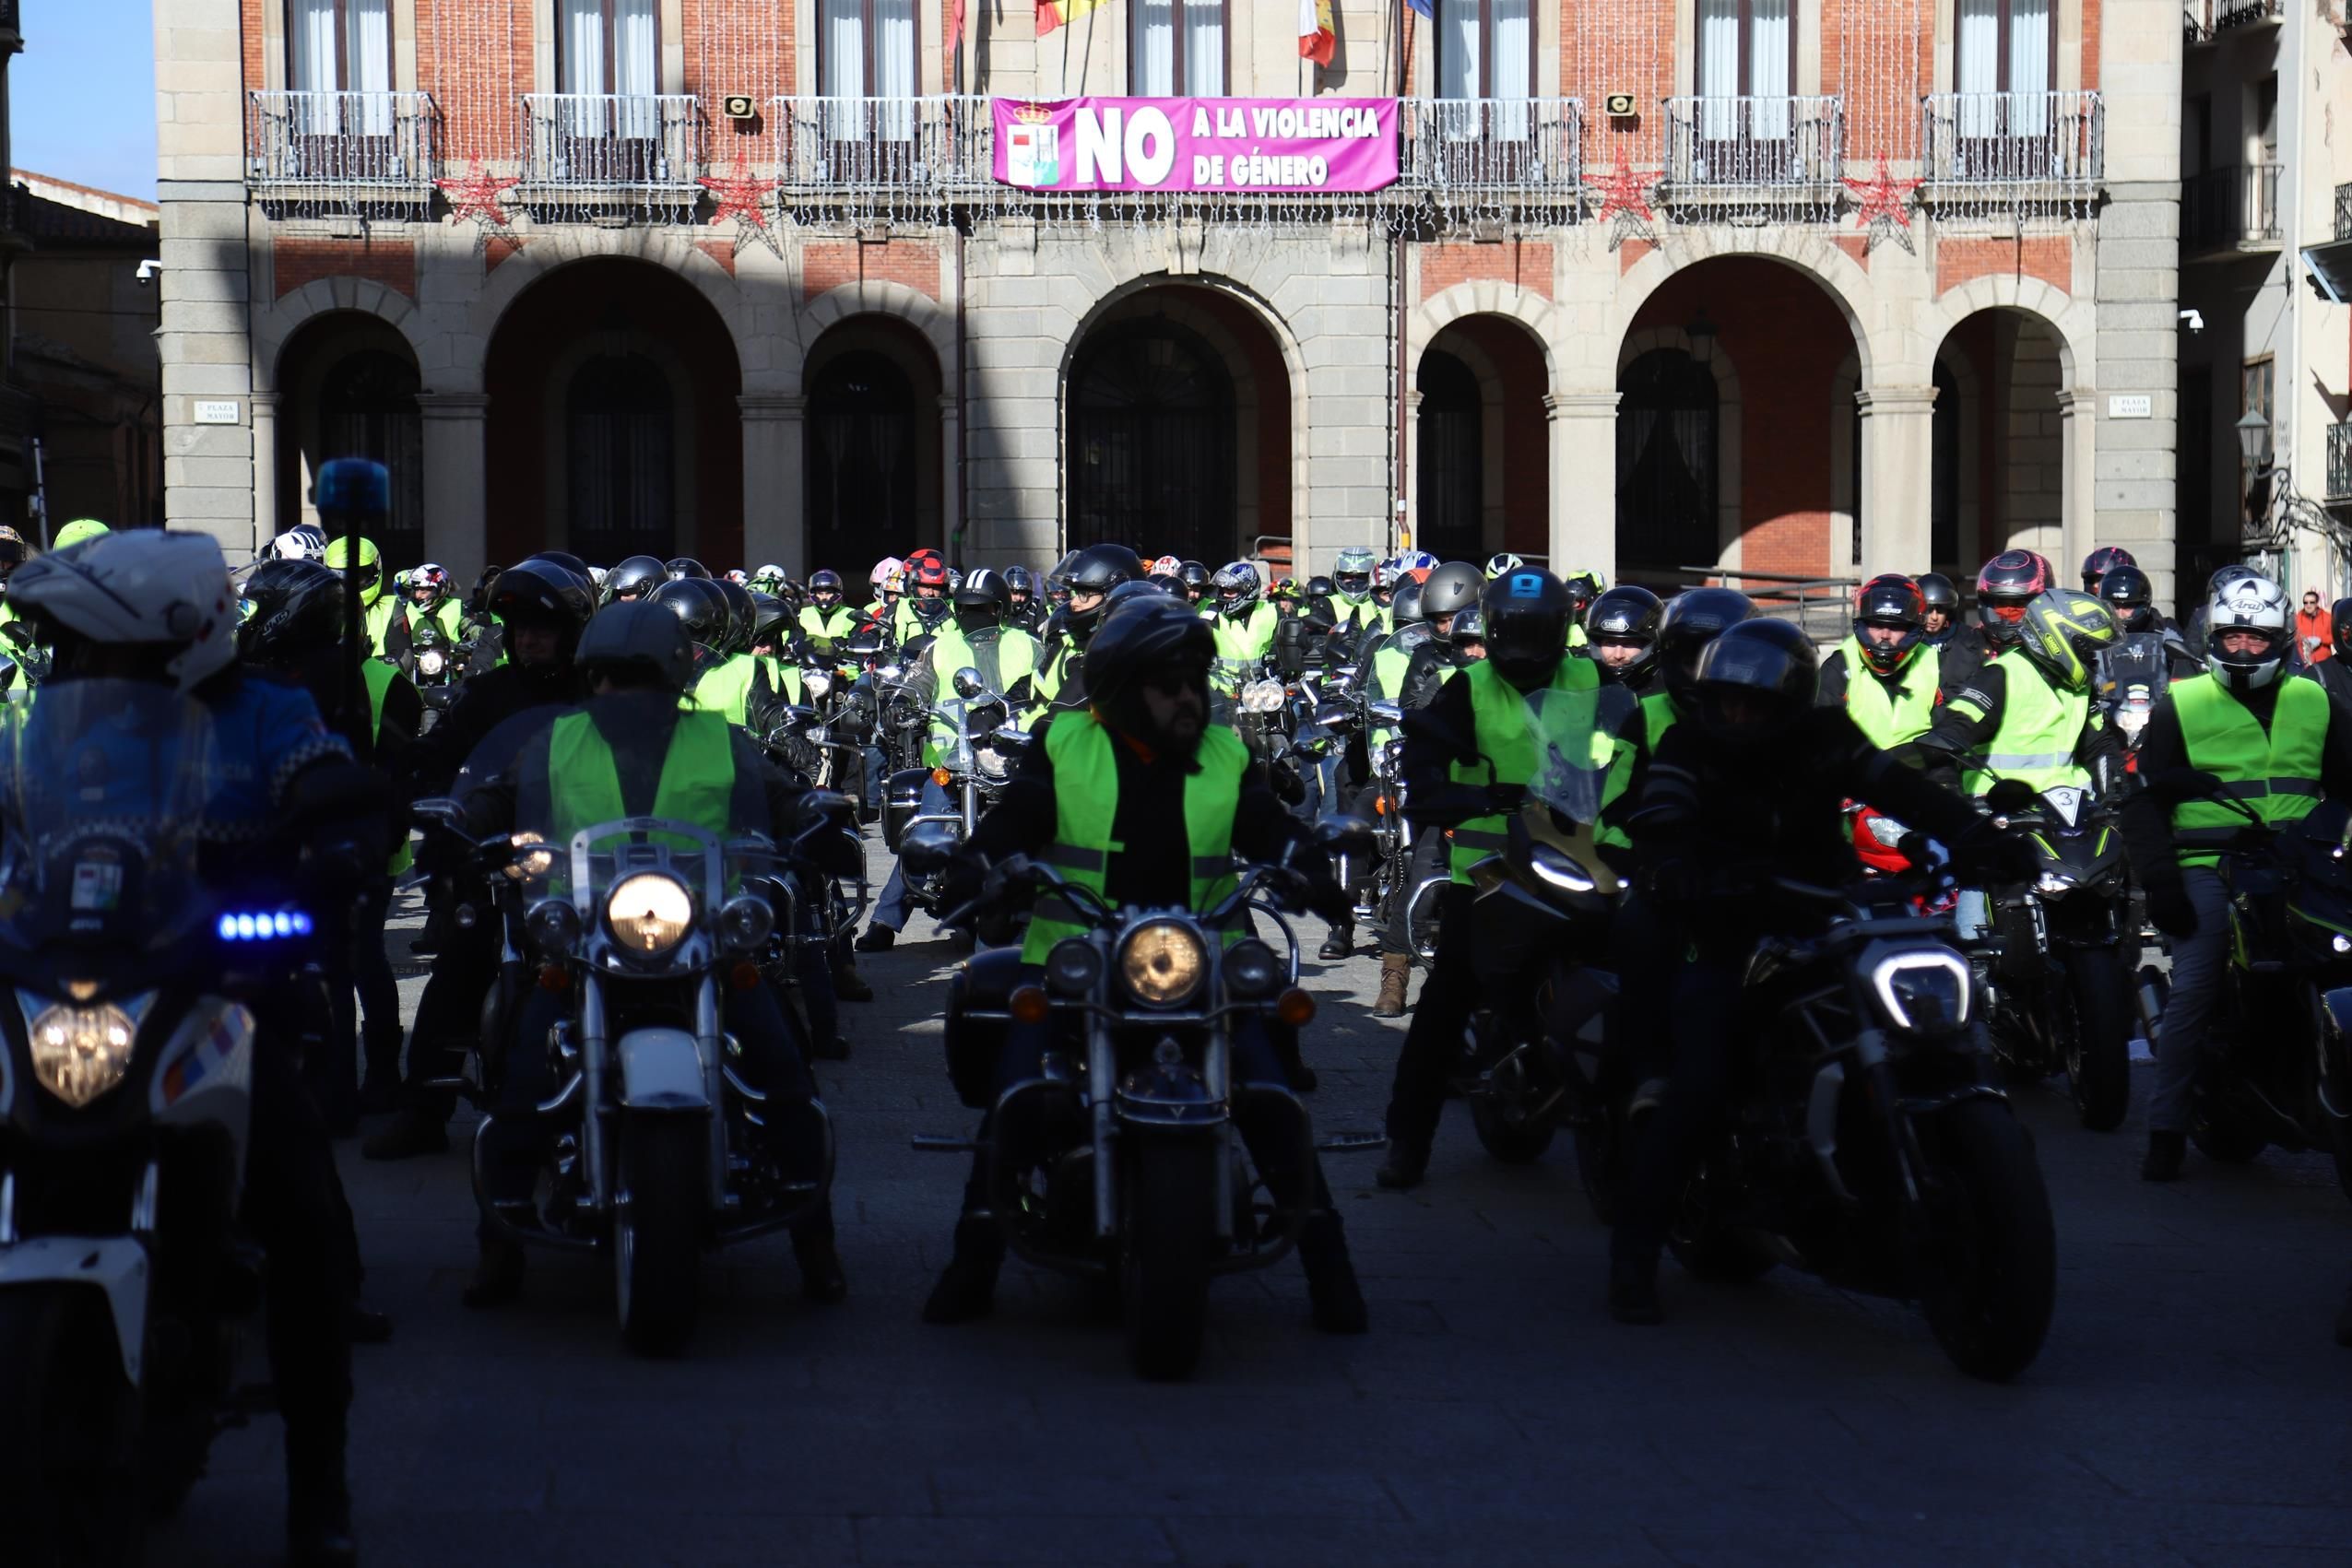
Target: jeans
column 2197, row 965
column 891, row 910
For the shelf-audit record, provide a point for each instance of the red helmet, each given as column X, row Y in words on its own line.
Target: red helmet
column 917, row 558
column 929, row 573
column 2008, row 582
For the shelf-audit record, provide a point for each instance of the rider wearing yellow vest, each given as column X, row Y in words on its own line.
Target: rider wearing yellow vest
column 1242, row 627
column 376, row 609
column 2028, row 716
column 1141, row 800
column 1884, row 674
column 827, row 615
column 1693, row 618
column 632, row 752
column 1356, row 617
column 976, row 638
column 2274, row 746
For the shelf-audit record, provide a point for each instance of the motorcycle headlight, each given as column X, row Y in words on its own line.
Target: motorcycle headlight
column 1073, row 968
column 554, row 927
column 2050, row 885
column 1252, row 972
column 816, row 683
column 428, row 662
column 1162, row 962
column 1262, row 696
column 1557, row 870
column 747, row 922
column 1923, row 990
column 534, row 857
column 649, row 914
column 78, row 1053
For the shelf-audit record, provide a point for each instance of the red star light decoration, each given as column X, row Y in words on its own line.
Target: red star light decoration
column 476, row 196
column 1624, row 195
column 739, row 198
column 1884, row 204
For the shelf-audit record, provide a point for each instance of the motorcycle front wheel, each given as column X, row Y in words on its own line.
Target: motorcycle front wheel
column 1171, row 1230
column 70, row 1487
column 1995, row 1248
column 2096, row 1037
column 658, row 1229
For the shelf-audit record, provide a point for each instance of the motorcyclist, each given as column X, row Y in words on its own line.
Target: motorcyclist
column 425, row 600
column 155, row 606
column 1242, row 626
column 1884, row 674
column 376, row 610
column 675, row 567
column 1157, row 797
column 543, row 607
column 305, row 541
column 2102, row 561
column 1623, row 629
column 924, row 608
column 1348, row 604
column 735, row 683
column 1501, row 562
column 2334, row 675
column 768, row 578
column 1584, row 585
column 637, row 751
column 1468, row 760
column 2004, row 587
column 883, row 582
column 1940, row 602
column 1761, row 773
column 634, row 578
column 1087, row 576
column 827, row 615
column 2028, row 715
column 2276, row 748
column 1195, row 578
column 1024, row 606
column 1693, row 618
column 2132, row 598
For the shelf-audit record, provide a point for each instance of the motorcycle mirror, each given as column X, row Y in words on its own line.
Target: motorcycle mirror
column 2177, row 784
column 2009, row 798
column 799, row 713
column 968, row 683
column 1009, row 738
column 925, row 848
column 818, row 807
column 437, row 809
column 1387, row 712
column 1344, row 835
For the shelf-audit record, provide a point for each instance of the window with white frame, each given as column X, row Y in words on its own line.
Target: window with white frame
column 334, row 48
column 2004, row 51
column 1747, row 51
column 1177, row 49
column 609, row 48
column 866, row 67
column 1485, row 54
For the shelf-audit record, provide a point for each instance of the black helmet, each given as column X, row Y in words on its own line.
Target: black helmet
column 2009, row 582
column 771, row 619
column 632, row 579
column 1128, row 593
column 1889, row 599
column 544, row 593
column 1470, row 626
column 2131, row 596
column 1583, row 588
column 2339, row 617
column 570, row 563
column 826, row 581
column 1693, row 619
column 1150, row 632
column 981, row 589
column 1320, row 587
column 1628, row 611
column 1939, row 591
column 2102, row 561
column 1410, row 608
column 1019, row 579
column 638, row 640
column 1452, row 589
column 1194, row 576
column 699, row 606
column 288, row 609
column 740, row 614
column 1756, row 680
column 1165, row 581
column 1527, row 626
column 1097, row 568
column 684, row 566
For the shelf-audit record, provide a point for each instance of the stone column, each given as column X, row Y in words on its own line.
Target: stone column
column 264, row 468
column 2077, row 463
column 1406, row 504
column 775, row 490
column 1583, row 427
column 456, row 499
column 1898, row 478
column 959, row 551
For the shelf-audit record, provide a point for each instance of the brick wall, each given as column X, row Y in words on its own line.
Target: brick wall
column 391, row 263
column 829, row 264
column 257, row 71
column 2047, row 257
column 1526, row 263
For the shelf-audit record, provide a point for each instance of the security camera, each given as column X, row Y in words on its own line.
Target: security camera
column 2192, row 321
column 149, row 271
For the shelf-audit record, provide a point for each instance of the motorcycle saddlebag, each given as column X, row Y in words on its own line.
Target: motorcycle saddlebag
column 901, row 798
column 975, row 1043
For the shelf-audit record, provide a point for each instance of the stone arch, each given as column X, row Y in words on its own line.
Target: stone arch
column 1830, row 269
column 2018, row 442
column 2067, row 319
column 275, row 327
column 879, row 296
column 758, row 354
column 926, row 364
column 1543, row 320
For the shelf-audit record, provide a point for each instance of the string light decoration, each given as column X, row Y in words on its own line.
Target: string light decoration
column 1885, row 207
column 472, row 75
column 742, row 197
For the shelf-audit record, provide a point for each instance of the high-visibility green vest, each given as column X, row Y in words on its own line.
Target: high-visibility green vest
column 833, row 627
column 784, row 677
column 1659, row 711
column 378, row 678
column 1499, row 711
column 376, row 619
column 1892, row 713
column 583, row 782
column 1242, row 641
column 1001, row 663
column 1389, row 665
column 2041, row 726
column 448, row 615
column 725, row 689
column 1086, row 805
column 1576, row 639
column 1350, row 612
column 2276, row 776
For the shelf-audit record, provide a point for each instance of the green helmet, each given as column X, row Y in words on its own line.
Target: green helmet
column 80, row 528
column 338, row 556
column 2063, row 633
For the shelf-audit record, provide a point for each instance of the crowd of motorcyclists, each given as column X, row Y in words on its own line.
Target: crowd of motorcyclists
column 1400, row 746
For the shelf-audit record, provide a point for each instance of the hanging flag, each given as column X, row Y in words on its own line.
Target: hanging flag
column 1316, row 39
column 1426, row 7
column 1052, row 13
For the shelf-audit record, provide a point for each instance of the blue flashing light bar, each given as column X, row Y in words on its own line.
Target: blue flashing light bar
column 263, row 926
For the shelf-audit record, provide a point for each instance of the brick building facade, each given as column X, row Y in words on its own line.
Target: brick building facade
column 1894, row 284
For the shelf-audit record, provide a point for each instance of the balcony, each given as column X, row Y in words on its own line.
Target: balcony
column 611, row 156
column 1751, row 157
column 2344, row 212
column 2226, row 211
column 2013, row 148
column 1514, row 151
column 899, row 155
column 2202, row 20
column 2339, row 464
column 308, row 153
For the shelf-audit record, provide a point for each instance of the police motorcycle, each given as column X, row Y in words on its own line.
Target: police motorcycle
column 974, row 766
column 128, row 1296
column 1867, row 1143
column 661, row 1151
column 1122, row 1163
column 2278, row 1061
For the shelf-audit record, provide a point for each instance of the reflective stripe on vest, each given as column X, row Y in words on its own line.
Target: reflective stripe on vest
column 2276, row 775
column 1003, row 661
column 1245, row 641
column 1890, row 713
column 833, row 627
column 378, row 678
column 725, row 689
column 1498, row 711
column 583, row 781
column 2039, row 728
column 1086, row 807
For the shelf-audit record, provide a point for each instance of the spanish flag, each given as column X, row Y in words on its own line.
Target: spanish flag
column 1052, row 13
column 1317, row 39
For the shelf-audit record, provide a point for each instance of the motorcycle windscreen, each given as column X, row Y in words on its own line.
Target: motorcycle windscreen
column 2138, row 659
column 112, row 789
column 1575, row 738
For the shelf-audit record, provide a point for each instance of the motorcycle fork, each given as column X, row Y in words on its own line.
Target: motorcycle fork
column 1216, row 1074
column 1102, row 1069
column 712, row 1048
column 594, row 1044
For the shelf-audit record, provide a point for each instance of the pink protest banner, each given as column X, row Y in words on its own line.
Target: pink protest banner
column 1197, row 144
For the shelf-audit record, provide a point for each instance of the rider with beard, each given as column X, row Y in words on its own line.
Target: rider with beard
column 1622, row 629
column 1940, row 609
column 634, row 749
column 1761, row 773
column 1087, row 576
column 1125, row 783
column 543, row 607
column 155, row 607
column 1884, row 674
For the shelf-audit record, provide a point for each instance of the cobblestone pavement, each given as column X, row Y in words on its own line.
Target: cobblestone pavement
column 2189, row 1408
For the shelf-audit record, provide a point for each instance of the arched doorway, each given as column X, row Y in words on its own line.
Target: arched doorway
column 1178, row 420
column 347, row 388
column 2000, row 446
column 872, row 462
column 1450, row 462
column 613, row 426
column 1482, row 462
column 1666, row 438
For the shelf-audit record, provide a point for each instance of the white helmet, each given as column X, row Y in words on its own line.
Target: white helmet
column 2247, row 604
column 141, row 586
column 304, row 543
column 884, row 570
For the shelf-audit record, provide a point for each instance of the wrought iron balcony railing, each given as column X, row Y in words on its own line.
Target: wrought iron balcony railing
column 2229, row 209
column 340, row 149
column 607, row 152
column 2200, row 20
column 2015, row 141
column 2339, row 461
column 898, row 150
column 1515, row 149
column 2344, row 212
column 1751, row 145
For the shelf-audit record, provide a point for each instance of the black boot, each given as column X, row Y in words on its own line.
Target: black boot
column 967, row 1287
column 847, row 983
column 1406, row 1166
column 1330, row 1276
column 1633, row 1290
column 2167, row 1152
column 1341, row 943
column 834, row 1050
column 821, row 1280
column 380, row 1085
column 318, row 1499
column 498, row 1273
column 877, row 939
